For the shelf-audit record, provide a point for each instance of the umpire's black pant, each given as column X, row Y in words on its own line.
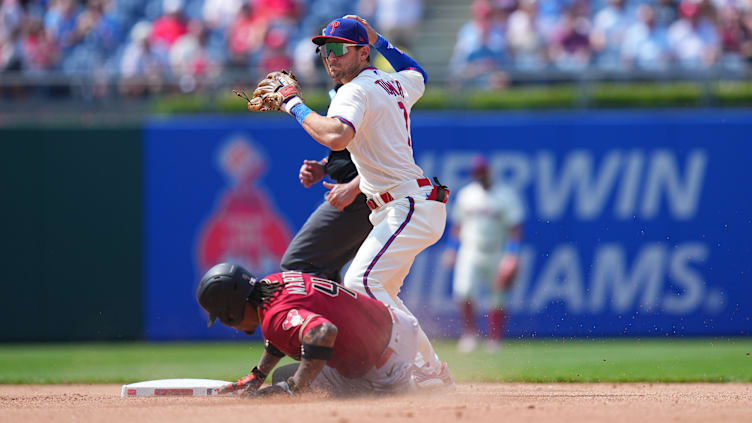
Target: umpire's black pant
column 328, row 240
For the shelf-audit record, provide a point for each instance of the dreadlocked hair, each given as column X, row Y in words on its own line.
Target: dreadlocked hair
column 263, row 292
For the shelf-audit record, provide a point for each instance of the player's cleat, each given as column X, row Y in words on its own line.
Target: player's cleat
column 467, row 344
column 425, row 379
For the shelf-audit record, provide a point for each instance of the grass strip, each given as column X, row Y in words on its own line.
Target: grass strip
column 599, row 360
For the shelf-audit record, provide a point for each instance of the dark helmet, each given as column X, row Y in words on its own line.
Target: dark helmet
column 223, row 292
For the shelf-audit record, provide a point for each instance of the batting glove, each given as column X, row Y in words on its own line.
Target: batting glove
column 247, row 384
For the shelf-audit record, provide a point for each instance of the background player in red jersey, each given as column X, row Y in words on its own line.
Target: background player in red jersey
column 347, row 343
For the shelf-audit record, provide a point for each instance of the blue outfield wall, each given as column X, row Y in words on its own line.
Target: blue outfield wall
column 638, row 223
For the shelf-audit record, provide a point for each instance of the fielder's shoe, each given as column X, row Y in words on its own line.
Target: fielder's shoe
column 425, row 379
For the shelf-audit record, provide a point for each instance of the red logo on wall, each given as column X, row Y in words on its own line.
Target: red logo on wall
column 244, row 227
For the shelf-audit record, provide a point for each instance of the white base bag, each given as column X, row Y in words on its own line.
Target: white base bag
column 173, row 388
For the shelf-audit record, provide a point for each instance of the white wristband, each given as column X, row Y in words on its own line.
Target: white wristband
column 293, row 101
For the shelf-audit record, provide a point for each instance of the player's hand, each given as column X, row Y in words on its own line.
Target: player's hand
column 276, row 389
column 311, row 172
column 373, row 36
column 247, row 384
column 340, row 195
column 448, row 258
column 507, row 270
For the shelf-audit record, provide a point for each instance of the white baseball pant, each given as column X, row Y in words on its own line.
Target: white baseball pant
column 473, row 270
column 402, row 228
column 393, row 375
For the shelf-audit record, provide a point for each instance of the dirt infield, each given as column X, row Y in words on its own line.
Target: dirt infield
column 476, row 402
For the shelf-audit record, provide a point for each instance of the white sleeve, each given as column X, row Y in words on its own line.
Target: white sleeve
column 412, row 82
column 349, row 105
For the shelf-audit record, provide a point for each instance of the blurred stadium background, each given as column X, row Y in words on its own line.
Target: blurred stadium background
column 128, row 168
column 126, row 58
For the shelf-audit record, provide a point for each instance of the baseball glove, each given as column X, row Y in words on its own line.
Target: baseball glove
column 272, row 92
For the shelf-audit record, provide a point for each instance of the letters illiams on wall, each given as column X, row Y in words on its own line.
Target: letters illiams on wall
column 637, row 223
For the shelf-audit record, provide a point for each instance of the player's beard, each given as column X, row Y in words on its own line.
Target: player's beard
column 345, row 73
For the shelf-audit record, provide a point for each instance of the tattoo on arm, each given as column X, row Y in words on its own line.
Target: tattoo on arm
column 267, row 362
column 322, row 335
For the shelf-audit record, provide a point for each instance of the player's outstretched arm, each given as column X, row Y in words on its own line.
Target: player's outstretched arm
column 280, row 91
column 317, row 348
column 328, row 131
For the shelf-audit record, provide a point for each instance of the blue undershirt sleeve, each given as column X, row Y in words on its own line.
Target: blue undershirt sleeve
column 399, row 60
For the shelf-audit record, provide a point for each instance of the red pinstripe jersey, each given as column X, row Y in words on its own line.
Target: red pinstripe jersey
column 364, row 325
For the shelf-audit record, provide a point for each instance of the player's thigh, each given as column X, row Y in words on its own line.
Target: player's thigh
column 417, row 218
column 427, row 227
column 372, row 264
column 357, row 275
column 382, row 265
column 465, row 283
column 394, row 374
column 428, row 220
column 401, row 231
column 397, row 279
column 472, row 272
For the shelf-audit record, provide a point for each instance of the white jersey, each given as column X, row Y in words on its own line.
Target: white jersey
column 377, row 106
column 486, row 216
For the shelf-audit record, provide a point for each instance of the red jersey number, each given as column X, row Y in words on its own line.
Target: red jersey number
column 407, row 121
column 330, row 288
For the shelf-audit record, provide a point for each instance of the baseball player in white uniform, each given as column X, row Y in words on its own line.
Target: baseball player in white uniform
column 486, row 226
column 370, row 117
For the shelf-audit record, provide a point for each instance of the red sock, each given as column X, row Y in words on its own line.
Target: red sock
column 468, row 318
column 496, row 321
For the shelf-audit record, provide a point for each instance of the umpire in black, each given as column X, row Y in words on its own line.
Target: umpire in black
column 333, row 233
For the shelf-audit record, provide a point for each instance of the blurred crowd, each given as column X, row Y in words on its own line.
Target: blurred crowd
column 610, row 36
column 142, row 45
